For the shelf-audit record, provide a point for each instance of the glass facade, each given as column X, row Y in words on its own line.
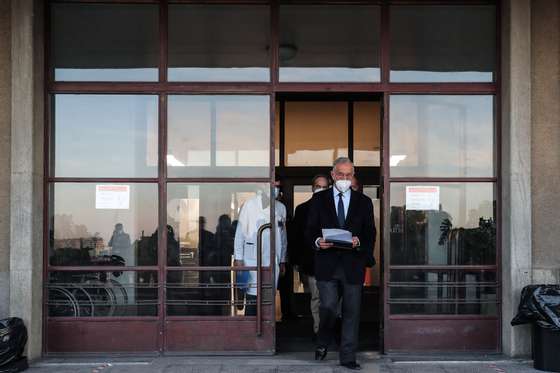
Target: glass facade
column 160, row 120
column 334, row 43
column 104, row 42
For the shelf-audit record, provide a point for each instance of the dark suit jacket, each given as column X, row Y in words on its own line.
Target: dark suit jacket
column 301, row 253
column 359, row 221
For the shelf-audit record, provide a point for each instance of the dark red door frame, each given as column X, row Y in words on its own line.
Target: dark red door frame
column 162, row 88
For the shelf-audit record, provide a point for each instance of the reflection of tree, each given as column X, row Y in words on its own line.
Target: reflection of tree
column 470, row 246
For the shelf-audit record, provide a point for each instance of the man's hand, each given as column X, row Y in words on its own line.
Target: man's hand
column 355, row 242
column 324, row 244
column 238, row 263
column 282, row 269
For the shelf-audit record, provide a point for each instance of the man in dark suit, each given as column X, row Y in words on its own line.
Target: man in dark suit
column 339, row 271
column 302, row 254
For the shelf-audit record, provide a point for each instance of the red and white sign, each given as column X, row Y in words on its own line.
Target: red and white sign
column 422, row 197
column 112, row 197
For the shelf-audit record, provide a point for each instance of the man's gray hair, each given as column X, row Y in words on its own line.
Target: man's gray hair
column 342, row 160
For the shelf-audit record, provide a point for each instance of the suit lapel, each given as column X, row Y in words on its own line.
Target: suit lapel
column 332, row 209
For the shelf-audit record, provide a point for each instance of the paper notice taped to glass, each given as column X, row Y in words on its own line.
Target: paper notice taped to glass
column 339, row 237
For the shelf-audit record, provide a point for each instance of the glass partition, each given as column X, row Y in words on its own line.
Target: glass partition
column 105, row 136
column 204, row 218
column 218, row 136
column 99, row 224
column 442, row 136
column 443, row 224
column 104, row 42
column 443, row 43
column 219, row 43
column 329, row 43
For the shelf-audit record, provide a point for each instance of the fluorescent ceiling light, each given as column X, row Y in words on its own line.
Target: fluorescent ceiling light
column 174, row 162
column 395, row 159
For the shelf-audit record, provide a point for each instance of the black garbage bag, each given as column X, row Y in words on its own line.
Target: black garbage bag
column 13, row 337
column 540, row 304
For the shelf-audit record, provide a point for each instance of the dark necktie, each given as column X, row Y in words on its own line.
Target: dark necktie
column 340, row 212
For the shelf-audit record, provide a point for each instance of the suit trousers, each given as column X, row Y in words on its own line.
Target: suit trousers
column 330, row 293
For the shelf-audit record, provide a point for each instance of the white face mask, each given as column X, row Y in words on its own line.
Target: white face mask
column 343, row 185
column 319, row 190
column 276, row 192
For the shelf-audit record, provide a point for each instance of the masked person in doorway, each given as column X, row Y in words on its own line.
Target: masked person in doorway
column 341, row 272
column 254, row 213
column 304, row 255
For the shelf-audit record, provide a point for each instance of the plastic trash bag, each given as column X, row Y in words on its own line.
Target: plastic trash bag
column 13, row 337
column 539, row 304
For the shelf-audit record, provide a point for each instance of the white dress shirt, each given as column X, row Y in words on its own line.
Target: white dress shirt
column 345, row 200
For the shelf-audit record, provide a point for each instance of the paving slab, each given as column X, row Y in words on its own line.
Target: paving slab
column 283, row 363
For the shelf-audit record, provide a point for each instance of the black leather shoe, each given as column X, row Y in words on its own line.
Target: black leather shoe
column 352, row 365
column 320, row 353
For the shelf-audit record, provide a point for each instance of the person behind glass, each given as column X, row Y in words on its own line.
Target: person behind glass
column 341, row 272
column 121, row 246
column 304, row 255
column 356, row 185
column 254, row 213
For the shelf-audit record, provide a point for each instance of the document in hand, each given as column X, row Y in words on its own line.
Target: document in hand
column 341, row 238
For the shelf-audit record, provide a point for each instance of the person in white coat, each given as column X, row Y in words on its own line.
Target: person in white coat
column 254, row 213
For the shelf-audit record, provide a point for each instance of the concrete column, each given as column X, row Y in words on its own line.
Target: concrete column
column 26, row 202
column 5, row 119
column 545, row 99
column 516, row 169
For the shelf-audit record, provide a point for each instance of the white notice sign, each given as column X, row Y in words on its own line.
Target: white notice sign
column 422, row 197
column 115, row 197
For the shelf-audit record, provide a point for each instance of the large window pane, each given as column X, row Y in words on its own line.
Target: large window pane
column 316, row 132
column 105, row 136
column 220, row 136
column 212, row 293
column 443, row 43
column 102, row 294
column 367, row 133
column 105, row 42
column 333, row 43
column 423, row 292
column 219, row 43
column 103, row 224
column 203, row 220
column 458, row 229
column 442, row 136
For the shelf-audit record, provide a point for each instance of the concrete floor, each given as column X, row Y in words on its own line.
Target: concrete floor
column 284, row 363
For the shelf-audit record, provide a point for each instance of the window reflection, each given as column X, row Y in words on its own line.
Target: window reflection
column 102, row 294
column 203, row 220
column 461, row 232
column 443, row 292
column 442, row 136
column 316, row 132
column 334, row 43
column 206, row 43
column 212, row 293
column 443, row 43
column 105, row 136
column 220, row 136
column 116, row 226
column 105, row 42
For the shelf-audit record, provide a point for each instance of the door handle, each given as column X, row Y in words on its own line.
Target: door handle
column 262, row 228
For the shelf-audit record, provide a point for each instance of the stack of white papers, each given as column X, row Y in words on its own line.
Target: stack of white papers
column 339, row 235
